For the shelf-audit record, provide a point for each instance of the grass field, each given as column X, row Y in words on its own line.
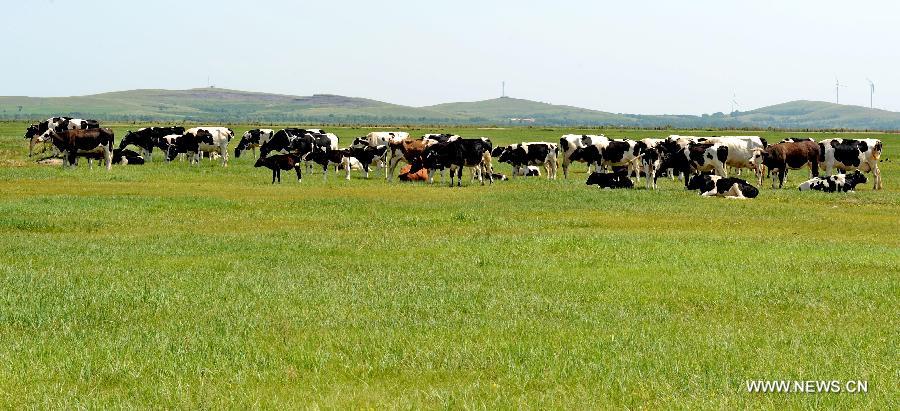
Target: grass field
column 170, row 286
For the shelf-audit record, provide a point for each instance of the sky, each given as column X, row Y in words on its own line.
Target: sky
column 646, row 57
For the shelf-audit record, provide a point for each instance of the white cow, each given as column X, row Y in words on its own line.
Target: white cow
column 740, row 151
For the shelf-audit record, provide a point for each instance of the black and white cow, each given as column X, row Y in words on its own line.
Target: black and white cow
column 718, row 186
column 84, row 143
column 366, row 155
column 849, row 155
column 840, row 183
column 571, row 142
column 282, row 141
column 279, row 162
column 692, row 158
column 612, row 153
column 458, row 153
column 610, row 180
column 741, row 151
column 197, row 140
column 125, row 156
column 252, row 139
column 523, row 155
column 148, row 137
column 796, row 139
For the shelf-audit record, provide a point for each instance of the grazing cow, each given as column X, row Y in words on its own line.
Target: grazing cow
column 409, row 150
column 147, row 138
column 278, row 162
column 459, row 153
column 126, row 156
column 718, row 186
column 316, row 149
column 840, row 183
column 571, row 142
column 610, row 180
column 252, row 139
column 779, row 158
column 522, row 155
column 849, row 155
column 84, row 143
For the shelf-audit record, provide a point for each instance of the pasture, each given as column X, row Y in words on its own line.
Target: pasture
column 170, row 286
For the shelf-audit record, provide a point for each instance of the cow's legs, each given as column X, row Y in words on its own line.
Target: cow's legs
column 297, row 169
column 223, row 151
column 565, row 167
column 107, row 155
column 274, row 174
column 877, row 173
column 347, row 169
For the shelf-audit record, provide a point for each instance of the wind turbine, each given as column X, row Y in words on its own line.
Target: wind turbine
column 871, row 91
column 734, row 103
column 837, row 90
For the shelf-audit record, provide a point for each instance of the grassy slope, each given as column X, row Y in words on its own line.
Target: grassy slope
column 502, row 109
column 173, row 286
column 819, row 114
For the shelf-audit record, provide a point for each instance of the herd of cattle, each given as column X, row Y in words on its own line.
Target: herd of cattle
column 702, row 162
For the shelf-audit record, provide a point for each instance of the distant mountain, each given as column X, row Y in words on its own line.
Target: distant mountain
column 223, row 105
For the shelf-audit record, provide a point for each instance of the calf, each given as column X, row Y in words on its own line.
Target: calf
column 836, row 183
column 718, row 186
column 252, row 139
column 367, row 156
column 569, row 143
column 84, row 143
column 279, row 162
column 610, row 180
column 778, row 158
column 523, row 155
column 850, row 155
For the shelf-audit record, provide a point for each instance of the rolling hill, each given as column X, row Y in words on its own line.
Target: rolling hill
column 223, row 105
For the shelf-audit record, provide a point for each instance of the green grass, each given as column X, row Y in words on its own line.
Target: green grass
column 170, row 286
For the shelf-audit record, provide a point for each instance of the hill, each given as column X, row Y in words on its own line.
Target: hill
column 223, row 105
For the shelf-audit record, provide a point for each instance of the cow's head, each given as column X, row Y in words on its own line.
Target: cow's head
column 855, row 178
column 497, row 152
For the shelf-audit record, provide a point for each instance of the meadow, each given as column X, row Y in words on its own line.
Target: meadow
column 170, row 286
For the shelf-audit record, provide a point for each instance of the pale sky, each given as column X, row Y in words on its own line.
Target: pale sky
column 647, row 57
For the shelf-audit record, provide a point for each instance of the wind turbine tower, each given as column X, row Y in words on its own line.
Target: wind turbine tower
column 837, row 90
column 734, row 103
column 871, row 91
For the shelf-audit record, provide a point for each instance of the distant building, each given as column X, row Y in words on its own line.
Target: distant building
column 521, row 120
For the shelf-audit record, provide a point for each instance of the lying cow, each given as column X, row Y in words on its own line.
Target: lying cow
column 610, row 180
column 84, row 143
column 278, row 162
column 840, row 183
column 252, row 139
column 849, row 155
column 413, row 172
column 125, row 156
column 718, row 186
column 411, row 150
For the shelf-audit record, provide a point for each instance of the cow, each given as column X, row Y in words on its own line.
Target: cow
column 779, row 158
column 84, row 143
column 278, row 162
column 718, row 186
column 523, row 155
column 410, row 150
column 126, row 156
column 840, row 183
column 366, row 155
column 796, row 140
column 381, row 138
column 612, row 153
column 282, row 141
column 692, row 158
column 147, row 138
column 413, row 172
column 316, row 149
column 849, row 155
column 458, row 153
column 57, row 124
column 740, row 151
column 252, row 139
column 610, row 180
column 207, row 140
column 571, row 142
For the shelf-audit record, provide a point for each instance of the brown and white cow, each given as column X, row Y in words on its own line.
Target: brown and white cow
column 84, row 143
